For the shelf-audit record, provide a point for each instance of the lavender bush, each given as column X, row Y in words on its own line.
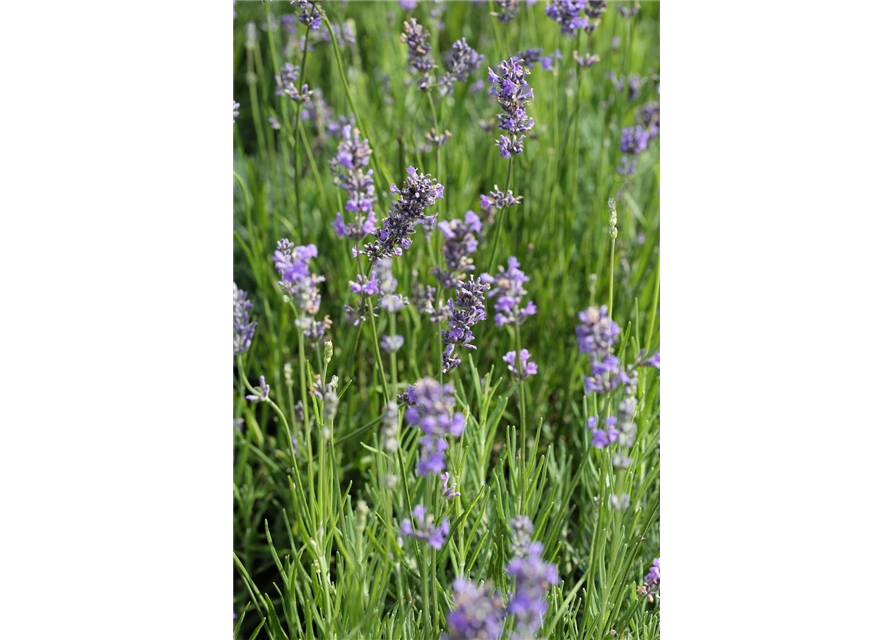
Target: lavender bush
column 446, row 395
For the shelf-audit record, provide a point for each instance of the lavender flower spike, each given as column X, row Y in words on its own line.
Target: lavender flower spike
column 235, row 110
column 512, row 93
column 264, row 390
column 463, row 62
column 349, row 169
column 567, row 13
column 311, row 14
column 461, row 242
column 508, row 285
column 431, row 410
column 634, row 140
column 477, row 612
column 293, row 265
column 601, row 438
column 285, row 84
column 426, row 531
column 408, row 211
column 532, row 578
column 508, row 10
column 528, row 367
column 243, row 330
column 465, row 310
column 418, row 56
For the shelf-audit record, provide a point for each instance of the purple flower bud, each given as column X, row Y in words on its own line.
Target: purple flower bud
column 477, row 612
column 465, row 310
column 408, row 211
column 462, row 62
column 263, row 389
column 235, row 110
column 425, row 529
column 243, row 330
column 508, row 286
column 431, row 410
column 528, row 367
column 418, row 55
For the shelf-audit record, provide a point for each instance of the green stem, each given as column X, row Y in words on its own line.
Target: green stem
column 508, row 181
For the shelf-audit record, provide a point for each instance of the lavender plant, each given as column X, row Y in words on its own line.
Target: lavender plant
column 380, row 489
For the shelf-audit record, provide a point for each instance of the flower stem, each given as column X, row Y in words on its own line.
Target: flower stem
column 508, row 181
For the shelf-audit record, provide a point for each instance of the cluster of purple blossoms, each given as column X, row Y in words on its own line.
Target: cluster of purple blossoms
column 601, row 438
column 634, row 140
column 586, row 60
column 508, row 285
column 446, row 490
column 285, row 84
column 431, row 410
column 477, row 612
column 530, row 57
column 653, row 577
column 408, row 211
column 462, row 62
column 533, row 576
column 293, row 265
column 596, row 335
column 311, row 15
column 499, row 200
column 243, row 330
column 408, row 5
column 437, row 139
column 568, row 14
column 649, row 114
column 460, row 243
column 465, row 310
column 419, row 57
column 235, row 110
column 528, row 367
column 426, row 530
column 627, row 166
column 263, row 390
column 512, row 93
column 349, row 168
column 508, row 10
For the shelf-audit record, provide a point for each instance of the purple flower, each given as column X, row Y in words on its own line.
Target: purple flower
column 311, row 14
column 263, row 389
column 627, row 166
column 349, row 169
column 530, row 57
column 235, row 110
column 477, row 612
column 532, row 578
column 634, row 140
column 653, row 361
column 601, row 438
column 408, row 5
column 465, row 310
column 508, row 10
column 652, row 579
column 512, row 93
column 408, row 211
column 447, row 491
column 462, row 62
column 243, row 330
column 499, row 200
column 390, row 344
column 364, row 286
column 461, row 242
column 431, row 410
column 285, row 84
column 418, row 56
column 274, row 123
column 567, row 13
column 425, row 530
column 528, row 367
column 293, row 265
column 508, row 286
column 595, row 8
